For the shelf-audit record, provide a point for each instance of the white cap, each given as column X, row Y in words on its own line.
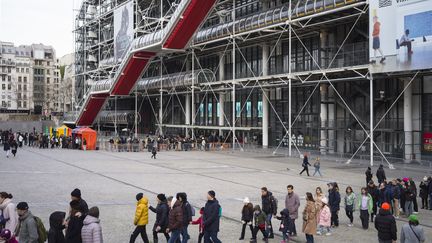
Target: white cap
column 324, row 200
column 246, row 200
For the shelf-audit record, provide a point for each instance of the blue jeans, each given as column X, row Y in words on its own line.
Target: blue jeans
column 185, row 235
column 409, row 208
column 269, row 228
column 175, row 234
column 212, row 236
column 309, row 238
column 317, row 170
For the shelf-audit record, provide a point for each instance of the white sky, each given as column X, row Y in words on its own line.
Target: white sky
column 50, row 22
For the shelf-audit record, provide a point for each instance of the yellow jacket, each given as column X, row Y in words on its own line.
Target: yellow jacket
column 141, row 213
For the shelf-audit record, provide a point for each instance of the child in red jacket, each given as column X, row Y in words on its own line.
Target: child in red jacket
column 6, row 236
column 199, row 222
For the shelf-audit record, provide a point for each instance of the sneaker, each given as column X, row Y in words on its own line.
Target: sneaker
column 271, row 236
column 241, row 238
column 319, row 233
column 382, row 60
column 350, row 225
column 328, row 234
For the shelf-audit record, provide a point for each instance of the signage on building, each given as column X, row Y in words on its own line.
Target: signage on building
column 427, row 142
column 400, row 35
column 123, row 30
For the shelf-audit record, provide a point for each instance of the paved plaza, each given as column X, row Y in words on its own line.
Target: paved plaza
column 110, row 180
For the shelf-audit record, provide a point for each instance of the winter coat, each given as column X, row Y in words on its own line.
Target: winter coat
column 6, row 146
column 161, row 211
column 430, row 187
column 247, row 213
column 12, row 240
column 83, row 206
column 408, row 236
column 349, row 201
column 305, row 162
column 385, row 223
column 309, row 219
column 324, row 218
column 211, row 218
column 285, row 218
column 187, row 213
column 369, row 203
column 334, row 200
column 369, row 175
column 73, row 231
column 260, row 219
column 374, row 192
column 396, row 191
column 380, row 174
column 423, row 189
column 141, row 212
column 199, row 222
column 8, row 210
column 268, row 204
column 175, row 217
column 292, row 203
column 91, row 231
column 27, row 228
column 55, row 233
column 409, row 194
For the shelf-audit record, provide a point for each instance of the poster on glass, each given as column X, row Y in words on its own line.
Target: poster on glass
column 123, row 30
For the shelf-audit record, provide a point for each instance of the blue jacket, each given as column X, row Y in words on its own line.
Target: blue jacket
column 334, row 200
column 211, row 217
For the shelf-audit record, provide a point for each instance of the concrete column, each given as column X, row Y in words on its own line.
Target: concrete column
column 408, row 123
column 323, row 45
column 265, row 119
column 188, row 112
column 323, row 118
column 331, row 119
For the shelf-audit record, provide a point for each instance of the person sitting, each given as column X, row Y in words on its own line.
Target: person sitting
column 405, row 41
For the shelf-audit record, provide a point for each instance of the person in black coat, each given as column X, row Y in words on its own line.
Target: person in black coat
column 6, row 147
column 269, row 207
column 380, row 174
column 161, row 223
column 334, row 202
column 247, row 217
column 211, row 218
column 57, row 225
column 76, row 196
column 305, row 165
column 369, row 175
column 430, row 192
column 374, row 192
column 75, row 223
column 385, row 223
column 285, row 222
column 424, row 193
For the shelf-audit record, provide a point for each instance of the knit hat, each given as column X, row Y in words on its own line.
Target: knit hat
column 405, row 179
column 324, row 200
column 76, row 193
column 94, row 211
column 425, row 178
column 413, row 218
column 246, row 200
column 6, row 234
column 161, row 197
column 75, row 205
column 139, row 196
column 22, row 206
column 212, row 193
column 385, row 206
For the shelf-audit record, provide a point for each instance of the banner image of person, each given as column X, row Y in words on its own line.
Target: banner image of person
column 123, row 30
column 400, row 35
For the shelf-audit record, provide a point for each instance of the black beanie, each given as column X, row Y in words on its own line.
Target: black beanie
column 212, row 193
column 139, row 196
column 22, row 206
column 161, row 197
column 76, row 193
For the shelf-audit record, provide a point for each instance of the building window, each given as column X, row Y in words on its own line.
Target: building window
column 19, row 79
column 9, row 87
column 17, row 70
column 25, row 104
column 25, row 87
column 27, row 70
column 25, row 79
column 22, row 70
column 19, row 87
column 9, row 78
column 3, row 86
column 19, row 104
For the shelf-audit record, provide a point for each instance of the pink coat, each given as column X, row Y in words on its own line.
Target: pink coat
column 324, row 217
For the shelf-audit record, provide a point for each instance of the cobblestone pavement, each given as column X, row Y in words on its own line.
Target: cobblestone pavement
column 110, row 180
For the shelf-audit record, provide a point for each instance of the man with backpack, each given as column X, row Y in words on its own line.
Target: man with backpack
column 188, row 213
column 30, row 228
column 269, row 207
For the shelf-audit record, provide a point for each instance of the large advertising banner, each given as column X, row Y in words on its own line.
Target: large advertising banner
column 123, row 30
column 400, row 35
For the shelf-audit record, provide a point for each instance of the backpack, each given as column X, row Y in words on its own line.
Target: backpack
column 42, row 233
column 274, row 202
column 192, row 210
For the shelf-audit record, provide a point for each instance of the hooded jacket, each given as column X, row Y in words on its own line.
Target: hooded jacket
column 55, row 233
column 161, row 211
column 385, row 223
column 27, row 228
column 175, row 220
column 284, row 218
column 334, row 200
column 9, row 213
column 268, row 203
column 91, row 231
column 141, row 212
column 324, row 218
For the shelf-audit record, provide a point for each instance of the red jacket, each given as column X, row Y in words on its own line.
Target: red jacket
column 200, row 223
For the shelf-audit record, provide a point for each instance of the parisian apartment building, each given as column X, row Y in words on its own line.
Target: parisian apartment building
column 30, row 79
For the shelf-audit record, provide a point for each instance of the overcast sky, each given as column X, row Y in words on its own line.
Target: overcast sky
column 39, row 21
